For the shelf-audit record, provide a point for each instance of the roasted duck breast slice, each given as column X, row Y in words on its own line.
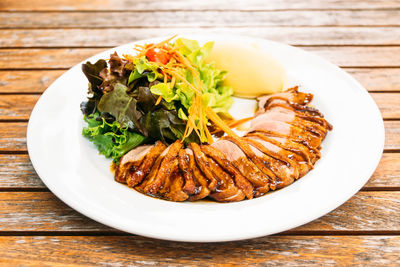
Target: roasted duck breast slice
column 244, row 146
column 168, row 165
column 172, row 189
column 153, row 172
column 201, row 185
column 187, row 173
column 225, row 148
column 204, row 166
column 291, row 119
column 130, row 160
column 226, row 190
column 287, row 130
column 288, row 145
column 291, row 95
column 301, row 115
column 240, row 181
column 291, row 159
column 135, row 174
column 284, row 172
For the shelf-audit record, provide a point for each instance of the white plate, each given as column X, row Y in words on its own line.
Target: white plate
column 71, row 168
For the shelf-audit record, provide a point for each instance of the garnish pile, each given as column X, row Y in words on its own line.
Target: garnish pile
column 165, row 92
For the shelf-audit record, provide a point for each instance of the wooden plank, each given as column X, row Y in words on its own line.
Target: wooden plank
column 42, row 211
column 392, row 135
column 141, row 251
column 27, row 81
column 388, row 103
column 14, row 136
column 15, row 107
column 66, row 57
column 20, row 106
column 199, row 19
column 16, row 171
column 114, row 37
column 150, row 5
column 377, row 79
column 36, row 81
column 387, row 174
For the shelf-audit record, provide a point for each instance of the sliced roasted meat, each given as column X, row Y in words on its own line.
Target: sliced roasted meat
column 168, row 166
column 244, row 146
column 306, row 154
column 285, row 172
column 192, row 174
column 172, row 189
column 249, row 171
column 187, row 173
column 286, row 129
column 226, row 190
column 135, row 174
column 291, row 119
column 291, row 159
column 130, row 160
column 291, row 96
column 204, row 166
column 240, row 181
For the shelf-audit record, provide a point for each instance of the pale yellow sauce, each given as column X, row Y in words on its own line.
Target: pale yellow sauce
column 251, row 71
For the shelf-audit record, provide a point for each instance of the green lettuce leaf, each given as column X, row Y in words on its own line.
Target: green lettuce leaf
column 111, row 139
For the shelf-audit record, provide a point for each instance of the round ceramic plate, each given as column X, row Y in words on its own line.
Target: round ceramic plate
column 72, row 169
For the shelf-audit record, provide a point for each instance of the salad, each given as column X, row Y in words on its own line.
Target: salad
column 166, row 92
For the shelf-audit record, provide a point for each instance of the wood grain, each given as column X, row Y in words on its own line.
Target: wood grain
column 141, row 251
column 16, row 171
column 167, row 19
column 42, row 211
column 152, row 5
column 377, row 79
column 388, row 103
column 57, row 58
column 16, row 107
column 36, row 81
column 114, row 37
column 20, row 106
column 14, row 136
column 27, row 81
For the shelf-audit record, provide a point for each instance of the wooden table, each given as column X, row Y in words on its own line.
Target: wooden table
column 39, row 40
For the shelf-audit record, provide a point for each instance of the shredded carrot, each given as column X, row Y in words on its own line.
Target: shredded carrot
column 158, row 100
column 197, row 121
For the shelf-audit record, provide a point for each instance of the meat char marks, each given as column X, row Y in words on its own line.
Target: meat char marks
column 282, row 145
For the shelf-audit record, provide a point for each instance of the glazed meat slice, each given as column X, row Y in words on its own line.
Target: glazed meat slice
column 204, row 166
column 285, row 171
column 313, row 120
column 187, row 173
column 285, row 129
column 168, row 166
column 226, row 165
column 291, row 119
column 131, row 161
column 172, row 189
column 226, row 190
column 291, row 159
column 244, row 146
column 135, row 174
column 291, row 96
column 302, row 151
column 194, row 179
column 225, row 148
